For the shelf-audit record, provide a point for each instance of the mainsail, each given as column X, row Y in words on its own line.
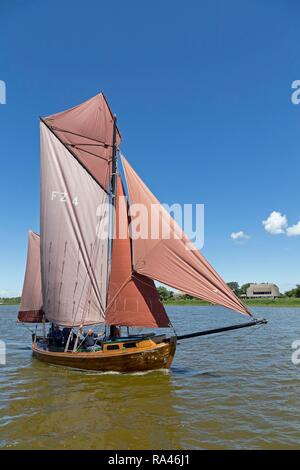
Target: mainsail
column 174, row 261
column 32, row 301
column 88, row 130
column 74, row 241
column 133, row 299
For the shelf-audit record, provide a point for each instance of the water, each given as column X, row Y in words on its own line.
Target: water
column 231, row 391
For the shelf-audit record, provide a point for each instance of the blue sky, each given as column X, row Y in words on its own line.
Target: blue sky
column 202, row 90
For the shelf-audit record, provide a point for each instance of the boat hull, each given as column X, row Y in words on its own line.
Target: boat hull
column 148, row 356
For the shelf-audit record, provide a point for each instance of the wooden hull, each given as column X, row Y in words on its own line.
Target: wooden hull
column 147, row 356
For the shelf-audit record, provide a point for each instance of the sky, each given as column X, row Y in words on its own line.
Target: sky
column 202, row 91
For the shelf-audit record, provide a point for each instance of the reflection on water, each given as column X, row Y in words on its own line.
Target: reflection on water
column 235, row 390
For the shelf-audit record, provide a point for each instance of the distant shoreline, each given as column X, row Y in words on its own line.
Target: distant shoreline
column 280, row 302
column 10, row 301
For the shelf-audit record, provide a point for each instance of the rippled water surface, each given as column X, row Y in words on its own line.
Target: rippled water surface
column 234, row 390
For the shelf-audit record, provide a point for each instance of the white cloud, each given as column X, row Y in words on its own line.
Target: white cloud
column 294, row 230
column 276, row 223
column 239, row 236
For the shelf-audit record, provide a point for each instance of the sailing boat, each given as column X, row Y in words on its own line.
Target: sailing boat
column 83, row 271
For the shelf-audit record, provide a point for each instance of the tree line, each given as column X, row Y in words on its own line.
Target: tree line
column 168, row 295
column 10, row 300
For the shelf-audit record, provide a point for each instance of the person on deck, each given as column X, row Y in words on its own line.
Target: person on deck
column 70, row 336
column 89, row 340
column 115, row 331
column 66, row 333
column 50, row 335
column 57, row 336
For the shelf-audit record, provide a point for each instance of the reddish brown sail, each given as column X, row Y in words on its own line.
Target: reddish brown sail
column 133, row 299
column 87, row 130
column 31, row 301
column 174, row 260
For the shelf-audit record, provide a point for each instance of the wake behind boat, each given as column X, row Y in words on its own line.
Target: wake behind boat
column 87, row 269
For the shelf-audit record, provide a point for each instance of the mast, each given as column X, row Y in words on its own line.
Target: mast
column 114, row 163
column 113, row 190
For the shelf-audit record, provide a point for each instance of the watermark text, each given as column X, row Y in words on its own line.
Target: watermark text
column 2, row 92
column 2, row 353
